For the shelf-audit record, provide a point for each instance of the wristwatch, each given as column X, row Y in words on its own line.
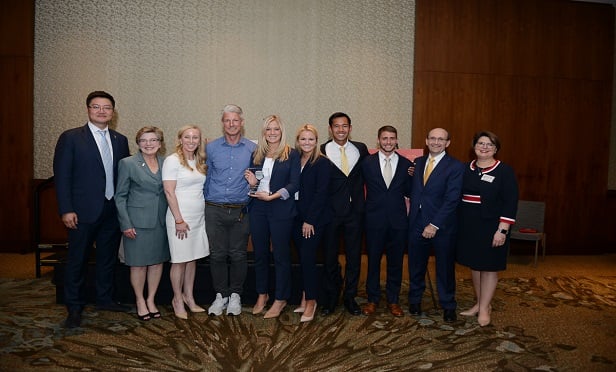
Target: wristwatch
column 504, row 231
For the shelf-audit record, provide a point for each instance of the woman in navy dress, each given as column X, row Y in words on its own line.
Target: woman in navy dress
column 488, row 209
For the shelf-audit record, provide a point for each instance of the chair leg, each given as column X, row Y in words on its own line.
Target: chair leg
column 543, row 245
column 431, row 289
column 536, row 251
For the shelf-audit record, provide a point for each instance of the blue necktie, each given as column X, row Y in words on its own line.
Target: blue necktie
column 108, row 164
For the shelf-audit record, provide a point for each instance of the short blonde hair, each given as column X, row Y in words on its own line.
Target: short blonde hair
column 159, row 134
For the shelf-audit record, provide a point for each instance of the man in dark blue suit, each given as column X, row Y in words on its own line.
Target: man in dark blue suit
column 346, row 190
column 436, row 188
column 387, row 185
column 85, row 168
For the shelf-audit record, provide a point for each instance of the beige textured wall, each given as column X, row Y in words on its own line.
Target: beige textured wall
column 174, row 62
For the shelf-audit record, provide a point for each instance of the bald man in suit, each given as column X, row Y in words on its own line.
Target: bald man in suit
column 436, row 189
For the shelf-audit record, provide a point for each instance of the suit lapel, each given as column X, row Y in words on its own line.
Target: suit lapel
column 91, row 143
column 436, row 172
column 398, row 170
column 420, row 165
column 114, row 147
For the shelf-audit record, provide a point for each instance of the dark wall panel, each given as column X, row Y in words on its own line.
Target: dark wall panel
column 16, row 123
column 538, row 74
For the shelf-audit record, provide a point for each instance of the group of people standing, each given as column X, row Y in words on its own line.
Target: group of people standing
column 207, row 199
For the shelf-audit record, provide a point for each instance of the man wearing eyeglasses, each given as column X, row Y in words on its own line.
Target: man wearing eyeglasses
column 85, row 171
column 435, row 194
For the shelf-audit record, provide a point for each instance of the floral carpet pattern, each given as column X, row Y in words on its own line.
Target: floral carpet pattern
column 545, row 324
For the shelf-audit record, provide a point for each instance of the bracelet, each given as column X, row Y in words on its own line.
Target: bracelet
column 179, row 223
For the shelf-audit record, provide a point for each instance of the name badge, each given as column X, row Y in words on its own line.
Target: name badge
column 487, row 178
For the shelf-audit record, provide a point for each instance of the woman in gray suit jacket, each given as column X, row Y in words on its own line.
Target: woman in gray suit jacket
column 142, row 207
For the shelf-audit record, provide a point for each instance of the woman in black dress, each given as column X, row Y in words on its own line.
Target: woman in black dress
column 488, row 209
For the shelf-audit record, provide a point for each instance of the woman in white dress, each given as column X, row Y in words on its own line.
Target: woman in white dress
column 183, row 177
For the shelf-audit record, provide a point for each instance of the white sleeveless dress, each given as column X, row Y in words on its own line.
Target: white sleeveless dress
column 189, row 193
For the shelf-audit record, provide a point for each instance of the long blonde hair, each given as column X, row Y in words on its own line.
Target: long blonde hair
column 199, row 151
column 316, row 152
column 283, row 150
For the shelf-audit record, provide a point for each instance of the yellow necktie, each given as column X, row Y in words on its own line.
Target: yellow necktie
column 429, row 169
column 344, row 161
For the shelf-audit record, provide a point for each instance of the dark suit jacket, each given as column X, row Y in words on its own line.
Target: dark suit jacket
column 79, row 173
column 313, row 204
column 386, row 206
column 343, row 189
column 285, row 174
column 139, row 194
column 440, row 196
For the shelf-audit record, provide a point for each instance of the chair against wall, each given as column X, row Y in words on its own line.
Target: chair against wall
column 529, row 224
column 50, row 236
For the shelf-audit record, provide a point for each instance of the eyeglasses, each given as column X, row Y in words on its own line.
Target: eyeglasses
column 151, row 140
column 485, row 144
column 437, row 139
column 104, row 108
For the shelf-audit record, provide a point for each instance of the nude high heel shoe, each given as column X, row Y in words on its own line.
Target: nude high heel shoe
column 260, row 305
column 193, row 309
column 302, row 305
column 473, row 311
column 311, row 309
column 179, row 314
column 484, row 319
column 277, row 308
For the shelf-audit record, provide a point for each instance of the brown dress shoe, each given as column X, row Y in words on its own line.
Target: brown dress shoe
column 395, row 310
column 369, row 308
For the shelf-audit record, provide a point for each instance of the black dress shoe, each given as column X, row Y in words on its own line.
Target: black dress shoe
column 112, row 306
column 73, row 320
column 328, row 305
column 449, row 315
column 325, row 311
column 352, row 307
column 415, row 309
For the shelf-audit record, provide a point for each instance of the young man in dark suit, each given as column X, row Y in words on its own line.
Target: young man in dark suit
column 436, row 188
column 387, row 185
column 346, row 190
column 85, row 171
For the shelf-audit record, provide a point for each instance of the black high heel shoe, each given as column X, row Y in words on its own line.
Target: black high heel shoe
column 155, row 315
column 144, row 318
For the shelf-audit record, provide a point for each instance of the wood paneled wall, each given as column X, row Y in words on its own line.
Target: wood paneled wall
column 538, row 73
column 16, row 123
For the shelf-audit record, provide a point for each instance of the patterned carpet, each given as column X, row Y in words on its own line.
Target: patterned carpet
column 547, row 324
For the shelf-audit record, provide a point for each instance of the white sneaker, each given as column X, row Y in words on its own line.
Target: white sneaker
column 218, row 305
column 235, row 304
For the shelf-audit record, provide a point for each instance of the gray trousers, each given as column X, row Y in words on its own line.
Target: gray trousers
column 227, row 231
